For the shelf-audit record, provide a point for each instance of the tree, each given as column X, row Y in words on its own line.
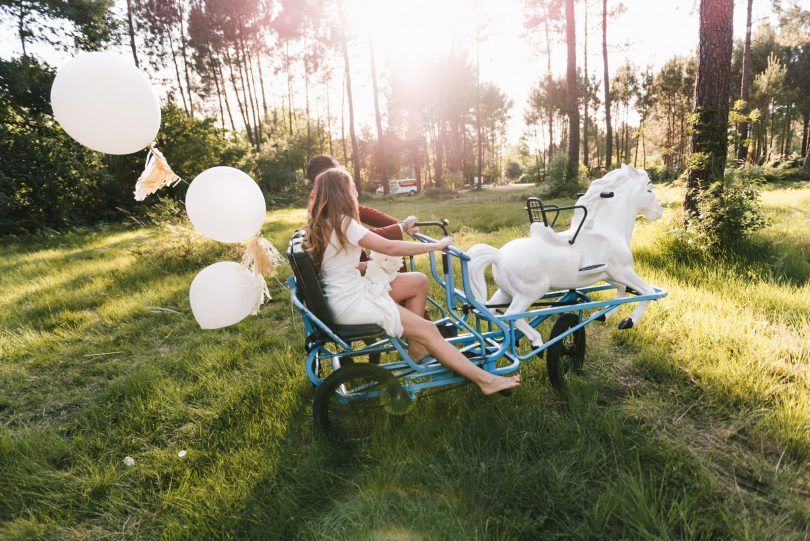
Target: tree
column 550, row 14
column 572, row 173
column 768, row 85
column 745, row 84
column 624, row 88
column 355, row 147
column 674, row 85
column 606, row 79
column 586, row 87
column 378, row 119
column 710, row 118
column 91, row 22
column 645, row 99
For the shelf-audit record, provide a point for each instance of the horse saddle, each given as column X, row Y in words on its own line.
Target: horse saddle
column 546, row 234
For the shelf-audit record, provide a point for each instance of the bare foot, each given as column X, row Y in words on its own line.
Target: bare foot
column 499, row 383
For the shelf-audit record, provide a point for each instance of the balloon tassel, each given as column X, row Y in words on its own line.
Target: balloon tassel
column 261, row 258
column 156, row 174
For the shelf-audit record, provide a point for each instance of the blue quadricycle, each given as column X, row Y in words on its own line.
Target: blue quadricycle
column 365, row 379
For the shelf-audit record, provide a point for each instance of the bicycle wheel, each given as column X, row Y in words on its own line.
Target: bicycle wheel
column 356, row 400
column 566, row 356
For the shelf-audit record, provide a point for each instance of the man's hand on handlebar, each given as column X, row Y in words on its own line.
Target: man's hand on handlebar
column 408, row 225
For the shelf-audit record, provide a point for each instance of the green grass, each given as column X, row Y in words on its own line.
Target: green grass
column 693, row 425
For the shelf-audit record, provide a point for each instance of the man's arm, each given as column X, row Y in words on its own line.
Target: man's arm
column 375, row 218
column 392, row 232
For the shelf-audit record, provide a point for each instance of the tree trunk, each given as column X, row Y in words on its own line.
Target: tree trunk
column 213, row 71
column 185, row 59
column 785, row 144
column 479, row 142
column 417, row 163
column 242, row 107
column 328, row 80
column 261, row 83
column 306, row 104
column 380, row 141
column 745, row 85
column 355, row 147
column 710, row 120
column 289, row 83
column 608, row 127
column 587, row 90
column 247, row 95
column 572, row 175
column 225, row 94
column 343, row 120
column 130, row 31
column 254, row 98
column 177, row 71
column 805, row 126
column 438, row 166
column 329, row 113
column 21, row 28
column 807, row 163
column 549, row 102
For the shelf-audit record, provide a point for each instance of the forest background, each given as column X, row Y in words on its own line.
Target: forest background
column 435, row 120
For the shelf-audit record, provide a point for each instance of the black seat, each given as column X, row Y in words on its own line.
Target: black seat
column 311, row 294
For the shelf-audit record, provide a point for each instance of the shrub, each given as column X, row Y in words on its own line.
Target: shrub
column 728, row 212
column 555, row 176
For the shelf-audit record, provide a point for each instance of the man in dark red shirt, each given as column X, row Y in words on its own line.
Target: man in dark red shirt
column 382, row 224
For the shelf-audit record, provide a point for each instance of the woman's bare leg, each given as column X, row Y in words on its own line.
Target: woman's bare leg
column 411, row 288
column 420, row 330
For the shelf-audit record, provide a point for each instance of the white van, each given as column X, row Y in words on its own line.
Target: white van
column 400, row 186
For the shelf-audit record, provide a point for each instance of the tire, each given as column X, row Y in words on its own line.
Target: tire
column 567, row 356
column 356, row 420
column 412, row 192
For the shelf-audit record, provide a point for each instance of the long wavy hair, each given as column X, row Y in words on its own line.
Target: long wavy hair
column 332, row 200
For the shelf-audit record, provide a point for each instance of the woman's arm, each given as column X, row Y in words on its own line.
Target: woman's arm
column 374, row 242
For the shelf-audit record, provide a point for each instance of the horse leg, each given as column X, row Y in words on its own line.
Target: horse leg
column 499, row 297
column 621, row 291
column 520, row 303
column 628, row 278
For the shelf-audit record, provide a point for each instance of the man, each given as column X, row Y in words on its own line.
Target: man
column 382, row 224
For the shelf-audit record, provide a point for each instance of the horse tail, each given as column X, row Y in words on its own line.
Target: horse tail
column 481, row 256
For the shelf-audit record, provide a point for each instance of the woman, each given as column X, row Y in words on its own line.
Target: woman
column 334, row 240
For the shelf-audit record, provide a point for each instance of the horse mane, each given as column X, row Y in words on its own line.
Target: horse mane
column 613, row 181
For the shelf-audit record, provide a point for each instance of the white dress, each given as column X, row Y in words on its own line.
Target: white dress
column 352, row 299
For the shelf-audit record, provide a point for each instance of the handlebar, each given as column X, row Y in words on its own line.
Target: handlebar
column 441, row 224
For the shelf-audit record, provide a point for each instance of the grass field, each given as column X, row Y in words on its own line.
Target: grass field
column 693, row 425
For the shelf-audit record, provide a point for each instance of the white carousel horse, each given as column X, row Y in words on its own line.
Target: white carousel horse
column 525, row 269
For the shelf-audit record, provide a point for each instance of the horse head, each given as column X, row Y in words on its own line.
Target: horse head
column 644, row 199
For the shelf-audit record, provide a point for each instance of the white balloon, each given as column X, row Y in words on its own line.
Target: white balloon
column 105, row 103
column 225, row 204
column 224, row 294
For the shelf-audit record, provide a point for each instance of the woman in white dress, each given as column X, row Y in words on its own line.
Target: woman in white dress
column 334, row 240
